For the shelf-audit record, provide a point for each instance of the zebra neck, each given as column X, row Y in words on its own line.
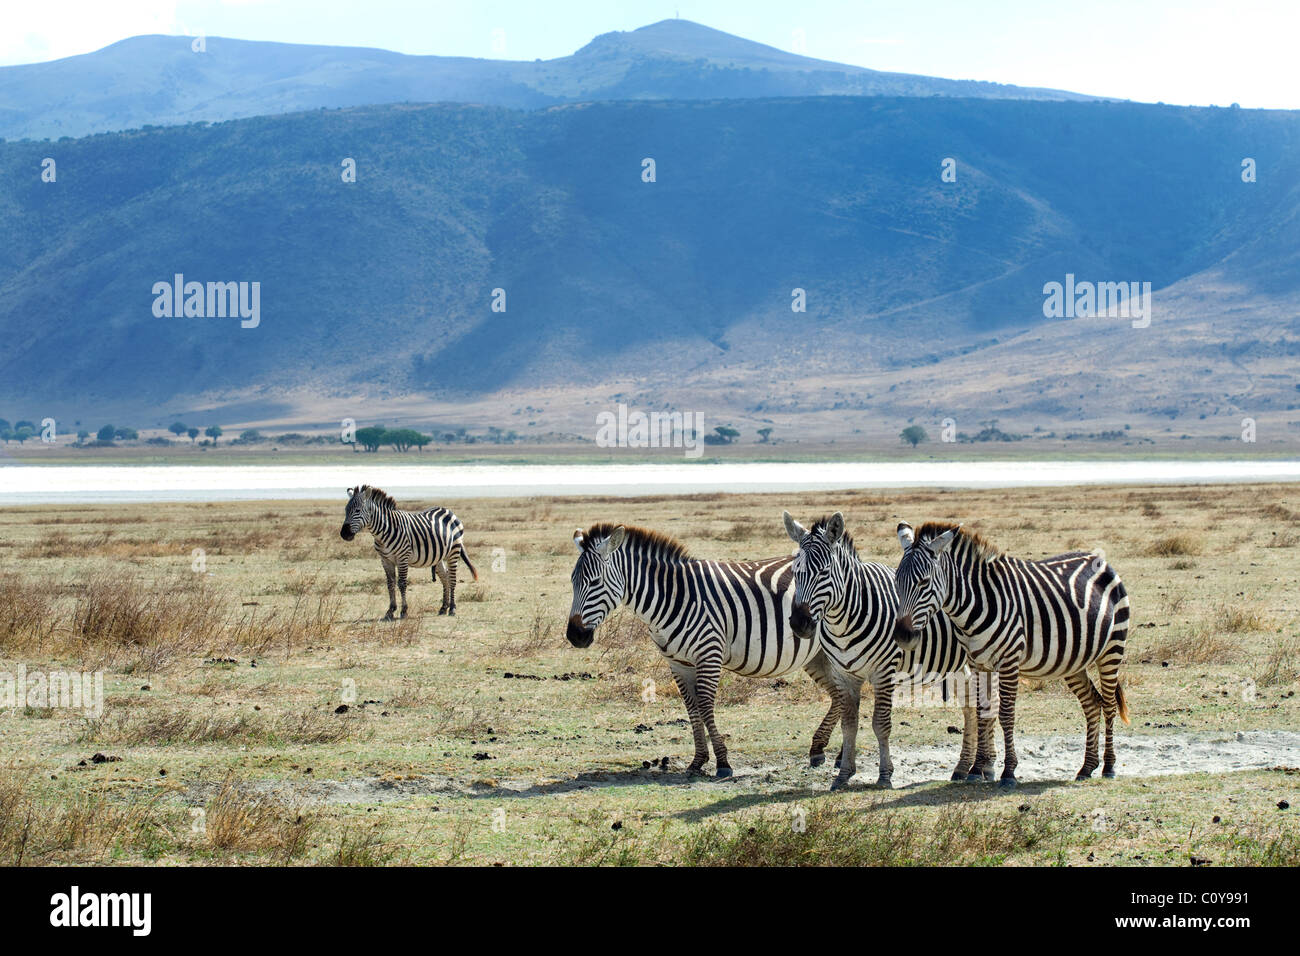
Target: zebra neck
column 840, row 617
column 653, row 587
column 973, row 588
column 381, row 523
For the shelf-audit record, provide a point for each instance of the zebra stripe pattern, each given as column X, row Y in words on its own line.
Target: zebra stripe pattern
column 704, row 616
column 408, row 539
column 853, row 603
column 1049, row 618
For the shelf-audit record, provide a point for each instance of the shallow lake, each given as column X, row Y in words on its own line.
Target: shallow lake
column 44, row 484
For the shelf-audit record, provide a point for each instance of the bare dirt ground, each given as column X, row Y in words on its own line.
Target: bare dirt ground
column 255, row 711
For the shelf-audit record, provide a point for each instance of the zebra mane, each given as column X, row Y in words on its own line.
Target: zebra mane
column 378, row 496
column 820, row 525
column 985, row 548
column 643, row 538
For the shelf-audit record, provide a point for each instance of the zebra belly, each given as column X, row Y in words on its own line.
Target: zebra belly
column 783, row 653
column 413, row 558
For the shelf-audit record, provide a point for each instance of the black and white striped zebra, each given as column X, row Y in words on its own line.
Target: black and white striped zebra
column 851, row 603
column 1048, row 618
column 408, row 539
column 704, row 616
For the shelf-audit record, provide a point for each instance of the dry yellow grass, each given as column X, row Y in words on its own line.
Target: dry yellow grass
column 249, row 660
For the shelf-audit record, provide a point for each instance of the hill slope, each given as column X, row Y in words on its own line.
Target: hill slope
column 921, row 294
column 158, row 80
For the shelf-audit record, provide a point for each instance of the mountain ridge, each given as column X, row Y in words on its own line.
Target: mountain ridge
column 158, row 80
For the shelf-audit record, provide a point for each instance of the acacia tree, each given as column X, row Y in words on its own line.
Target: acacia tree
column 177, row 428
column 214, row 432
column 913, row 434
column 193, row 433
column 371, row 437
column 402, row 439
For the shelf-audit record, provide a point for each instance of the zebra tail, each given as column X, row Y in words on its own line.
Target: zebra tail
column 1122, row 701
column 464, row 556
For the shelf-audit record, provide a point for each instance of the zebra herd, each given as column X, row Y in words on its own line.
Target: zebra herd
column 956, row 613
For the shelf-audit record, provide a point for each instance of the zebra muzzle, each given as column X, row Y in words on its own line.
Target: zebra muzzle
column 801, row 620
column 904, row 633
column 578, row 635
column 346, row 532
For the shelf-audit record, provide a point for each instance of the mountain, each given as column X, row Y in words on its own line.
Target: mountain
column 160, row 80
column 924, row 298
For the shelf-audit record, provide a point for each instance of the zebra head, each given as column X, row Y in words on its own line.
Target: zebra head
column 921, row 581
column 356, row 516
column 818, row 576
column 597, row 584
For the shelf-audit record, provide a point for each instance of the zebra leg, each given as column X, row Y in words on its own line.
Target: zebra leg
column 985, row 752
column 707, row 674
column 390, row 572
column 850, row 704
column 1090, row 701
column 819, row 670
column 970, row 730
column 684, row 676
column 440, row 575
column 401, row 585
column 882, row 723
column 1008, row 684
column 452, row 560
column 1111, row 698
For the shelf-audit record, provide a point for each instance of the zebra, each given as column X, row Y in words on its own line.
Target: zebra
column 851, row 603
column 703, row 615
column 1048, row 618
column 408, row 539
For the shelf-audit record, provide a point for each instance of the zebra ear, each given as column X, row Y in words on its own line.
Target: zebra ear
column 579, row 538
column 941, row 544
column 616, row 539
column 905, row 535
column 794, row 529
column 835, row 528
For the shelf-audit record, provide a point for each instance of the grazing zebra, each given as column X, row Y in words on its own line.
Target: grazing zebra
column 703, row 615
column 408, row 539
column 1049, row 618
column 853, row 602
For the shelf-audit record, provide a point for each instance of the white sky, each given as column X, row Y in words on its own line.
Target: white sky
column 1185, row 51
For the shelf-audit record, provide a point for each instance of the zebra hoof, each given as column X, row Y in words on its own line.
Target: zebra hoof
column 1083, row 775
column 840, row 782
column 695, row 770
column 1108, row 774
column 959, row 776
column 441, row 611
column 388, row 617
column 816, row 760
column 724, row 771
column 1007, row 783
column 451, row 612
column 884, row 783
column 980, row 776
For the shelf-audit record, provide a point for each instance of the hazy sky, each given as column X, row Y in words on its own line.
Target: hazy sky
column 1182, row 51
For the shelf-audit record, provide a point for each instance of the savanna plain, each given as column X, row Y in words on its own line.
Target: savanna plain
column 256, row 711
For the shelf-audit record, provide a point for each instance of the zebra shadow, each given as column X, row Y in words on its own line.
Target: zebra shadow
column 597, row 779
column 923, row 793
